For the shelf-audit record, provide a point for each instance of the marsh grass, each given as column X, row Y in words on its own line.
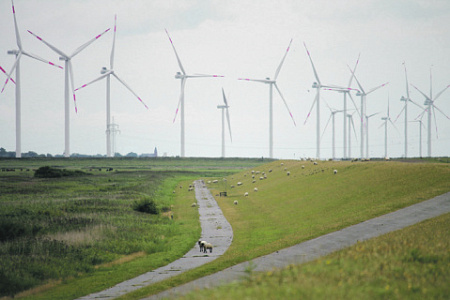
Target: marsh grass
column 412, row 263
column 310, row 202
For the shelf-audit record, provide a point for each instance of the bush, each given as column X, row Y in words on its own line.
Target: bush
column 49, row 172
column 146, row 206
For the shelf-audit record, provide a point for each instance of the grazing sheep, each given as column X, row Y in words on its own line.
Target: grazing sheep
column 215, row 181
column 235, row 202
column 202, row 245
column 255, row 189
column 207, row 246
column 194, row 204
column 261, row 178
column 253, row 181
column 335, row 171
column 232, row 186
column 303, row 167
column 246, row 194
column 190, row 189
column 173, row 192
column 282, row 164
column 239, row 183
column 315, row 163
column 288, row 173
column 270, row 171
column 253, row 171
column 253, row 176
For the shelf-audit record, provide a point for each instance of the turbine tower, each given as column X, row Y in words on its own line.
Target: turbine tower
column 273, row 83
column 385, row 123
column 429, row 102
column 68, row 75
column 363, row 94
column 318, row 85
column 405, row 108
column 367, row 133
column 332, row 115
column 16, row 66
column 350, row 126
column 107, row 73
column 420, row 135
column 183, row 76
column 224, row 109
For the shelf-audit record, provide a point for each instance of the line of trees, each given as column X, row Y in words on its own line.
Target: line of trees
column 11, row 154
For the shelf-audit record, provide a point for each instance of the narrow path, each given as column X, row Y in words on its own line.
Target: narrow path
column 215, row 230
column 322, row 245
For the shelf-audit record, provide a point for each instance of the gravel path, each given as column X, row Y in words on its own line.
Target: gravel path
column 321, row 246
column 215, row 230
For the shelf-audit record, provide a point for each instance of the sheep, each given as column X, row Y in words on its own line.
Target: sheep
column 246, row 194
column 255, row 189
column 261, row 178
column 215, row 181
column 202, row 245
column 235, row 202
column 207, row 246
column 282, row 164
column 288, row 173
column 239, row 183
column 315, row 163
column 253, row 176
column 232, row 186
column 190, row 189
column 270, row 170
column 303, row 167
column 253, row 181
column 335, row 171
column 194, row 204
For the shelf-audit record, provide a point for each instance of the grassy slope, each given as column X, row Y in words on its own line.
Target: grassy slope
column 310, row 202
column 412, row 263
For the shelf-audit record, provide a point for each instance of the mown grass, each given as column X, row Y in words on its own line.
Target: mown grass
column 310, row 202
column 412, row 263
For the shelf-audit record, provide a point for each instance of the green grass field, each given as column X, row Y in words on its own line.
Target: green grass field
column 310, row 202
column 285, row 210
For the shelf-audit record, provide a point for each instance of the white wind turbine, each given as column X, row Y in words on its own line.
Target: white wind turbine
column 385, row 123
column 273, row 83
column 429, row 102
column 224, row 109
column 363, row 94
column 346, row 91
column 16, row 67
column 332, row 117
column 183, row 76
column 420, row 135
column 68, row 74
column 350, row 126
column 367, row 132
column 318, row 85
column 405, row 108
column 107, row 73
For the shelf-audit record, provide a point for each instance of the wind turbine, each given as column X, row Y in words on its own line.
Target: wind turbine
column 385, row 123
column 367, row 133
column 68, row 74
column 107, row 73
column 363, row 94
column 318, row 85
column 420, row 135
column 350, row 126
column 346, row 92
column 3, row 70
column 273, row 83
column 333, row 113
column 16, row 66
column 224, row 109
column 405, row 108
column 429, row 102
column 183, row 76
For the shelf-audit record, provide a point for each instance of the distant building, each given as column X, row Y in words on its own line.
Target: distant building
column 154, row 154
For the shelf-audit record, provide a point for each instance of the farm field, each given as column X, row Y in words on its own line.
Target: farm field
column 84, row 231
column 310, row 202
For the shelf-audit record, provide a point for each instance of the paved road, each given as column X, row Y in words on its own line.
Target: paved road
column 215, row 229
column 323, row 245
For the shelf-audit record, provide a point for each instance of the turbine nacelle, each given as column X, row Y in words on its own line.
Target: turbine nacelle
column 358, row 93
column 222, row 106
column 178, row 75
column 315, row 85
column 103, row 70
column 13, row 52
column 403, row 99
column 63, row 58
column 428, row 102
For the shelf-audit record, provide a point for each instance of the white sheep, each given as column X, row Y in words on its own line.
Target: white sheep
column 207, row 246
column 282, row 164
column 288, row 173
column 235, row 202
column 246, row 194
column 261, row 178
column 255, row 189
column 315, row 163
column 270, row 171
column 303, row 167
column 194, row 204
column 232, row 186
column 335, row 171
column 253, row 181
column 239, row 183
column 202, row 245
column 215, row 181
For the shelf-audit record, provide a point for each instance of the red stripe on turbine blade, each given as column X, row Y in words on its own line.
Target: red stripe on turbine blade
column 3, row 70
column 98, row 36
column 13, row 9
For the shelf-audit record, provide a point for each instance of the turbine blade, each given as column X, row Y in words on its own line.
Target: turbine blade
column 314, row 102
column 122, row 82
column 415, row 103
column 426, row 97
column 376, row 88
column 357, row 81
column 282, row 61
column 19, row 42
column 79, row 49
column 256, row 80
column 205, row 75
column 400, row 113
column 95, row 80
column 354, row 104
column 406, row 77
column 224, row 98
column 421, row 114
column 8, row 76
column 48, row 44
column 353, row 126
column 72, row 86
column 312, row 64
column 354, row 70
column 41, row 59
column 329, row 119
column 176, row 54
column 183, row 83
column 227, row 113
column 3, row 70
column 440, row 110
column 372, row 115
column 111, row 59
column 287, row 107
column 440, row 93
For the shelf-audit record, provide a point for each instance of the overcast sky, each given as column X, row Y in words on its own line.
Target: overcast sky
column 234, row 39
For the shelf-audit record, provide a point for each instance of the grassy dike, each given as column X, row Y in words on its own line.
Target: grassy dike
column 310, row 202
